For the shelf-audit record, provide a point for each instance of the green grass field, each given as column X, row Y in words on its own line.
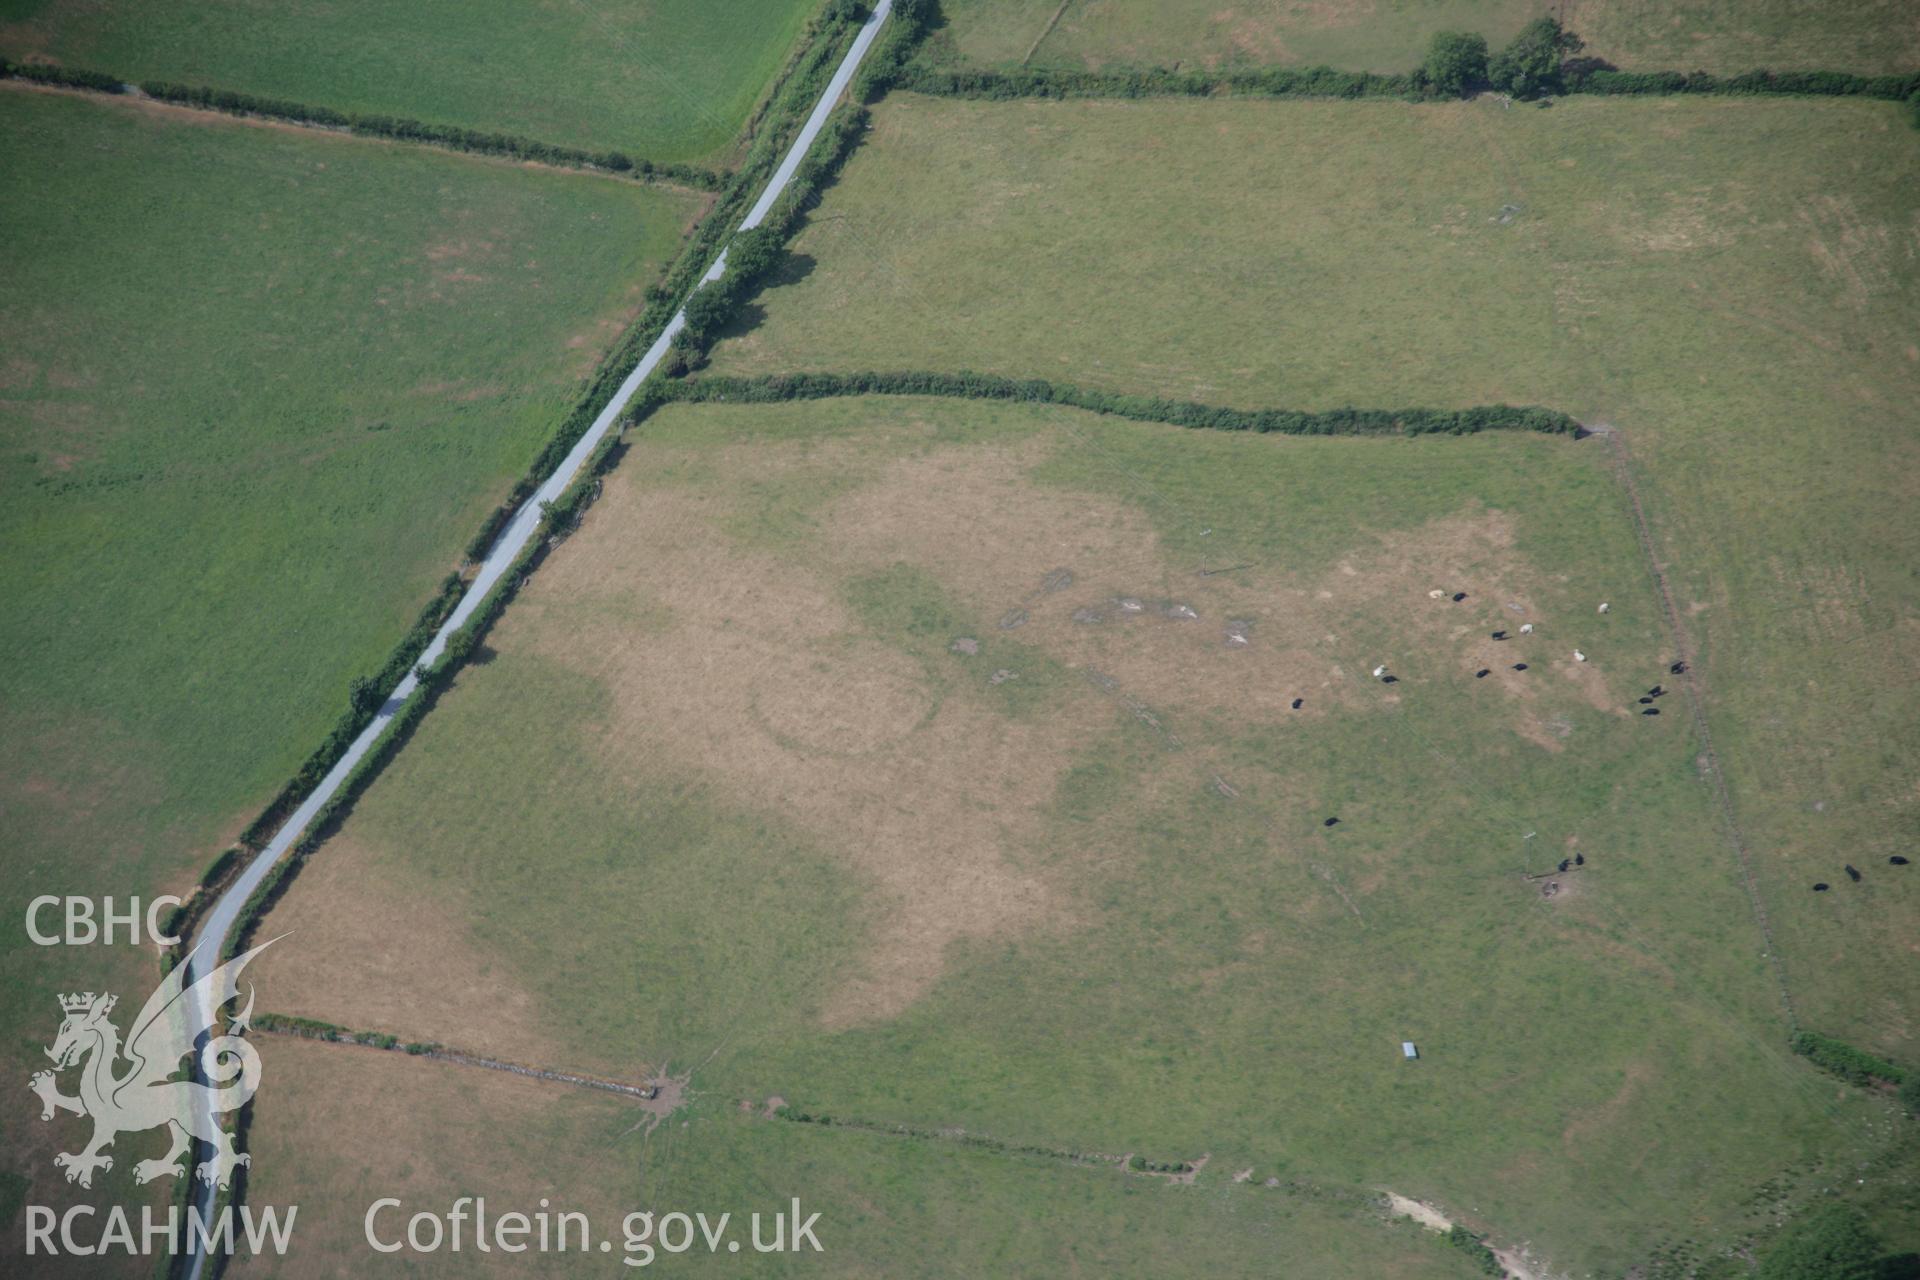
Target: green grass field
column 666, row 79
column 1091, row 903
column 343, row 1127
column 1392, row 35
column 1734, row 284
column 259, row 388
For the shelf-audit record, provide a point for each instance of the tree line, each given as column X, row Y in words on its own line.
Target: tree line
column 398, row 128
column 1179, row 413
column 1540, row 60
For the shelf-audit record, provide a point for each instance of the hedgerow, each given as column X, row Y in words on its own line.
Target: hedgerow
column 808, row 78
column 1843, row 1060
column 803, row 81
column 65, row 77
column 364, row 698
column 453, row 137
column 1328, row 82
column 1156, row 82
column 1475, row 1247
column 1602, row 79
column 753, row 253
column 1181, row 413
column 1537, row 61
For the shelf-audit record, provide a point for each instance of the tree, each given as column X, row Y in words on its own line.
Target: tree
column 364, row 696
column 1456, row 62
column 1829, row 1244
column 753, row 253
column 710, row 307
column 1531, row 64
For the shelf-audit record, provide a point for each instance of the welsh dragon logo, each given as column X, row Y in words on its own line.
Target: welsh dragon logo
column 144, row 1095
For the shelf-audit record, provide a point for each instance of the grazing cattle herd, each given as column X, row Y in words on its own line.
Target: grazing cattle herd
column 1646, row 704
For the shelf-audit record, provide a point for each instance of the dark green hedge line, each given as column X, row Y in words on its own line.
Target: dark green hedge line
column 314, row 1029
column 807, row 78
column 460, row 647
column 65, row 77
column 755, row 252
column 364, row 698
column 1180, row 413
column 1151, row 82
column 1537, row 61
column 1836, row 84
column 1475, row 1248
column 450, row 136
column 182, row 919
column 1845, row 1061
column 802, row 81
column 1326, row 82
column 399, row 128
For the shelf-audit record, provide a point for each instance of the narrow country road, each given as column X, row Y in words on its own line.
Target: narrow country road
column 224, row 919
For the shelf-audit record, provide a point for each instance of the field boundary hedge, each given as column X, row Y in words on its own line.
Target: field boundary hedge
column 446, row 137
column 1180, row 413
column 808, row 73
column 903, row 64
column 1328, row 82
column 1855, row 1066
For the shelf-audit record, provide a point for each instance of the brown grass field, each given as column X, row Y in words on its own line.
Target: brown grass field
column 832, row 759
column 1732, row 284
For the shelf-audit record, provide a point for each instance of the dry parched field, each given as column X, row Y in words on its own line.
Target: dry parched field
column 937, row 763
column 1734, row 284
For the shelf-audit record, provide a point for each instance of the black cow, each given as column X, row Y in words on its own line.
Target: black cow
column 1481, row 674
column 1499, row 635
column 1852, row 873
column 1297, row 702
column 1821, row 887
column 1579, row 859
column 1330, row 822
column 1658, row 691
column 1389, row 679
column 1651, row 711
column 1458, row 596
column 1677, row 669
column 1519, row 666
column 1565, row 863
column 1646, row 702
column 1898, row 860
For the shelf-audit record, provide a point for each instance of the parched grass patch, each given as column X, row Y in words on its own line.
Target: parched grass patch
column 1392, row 35
column 1732, row 283
column 976, row 799
column 344, row 1127
column 670, row 80
column 258, row 389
